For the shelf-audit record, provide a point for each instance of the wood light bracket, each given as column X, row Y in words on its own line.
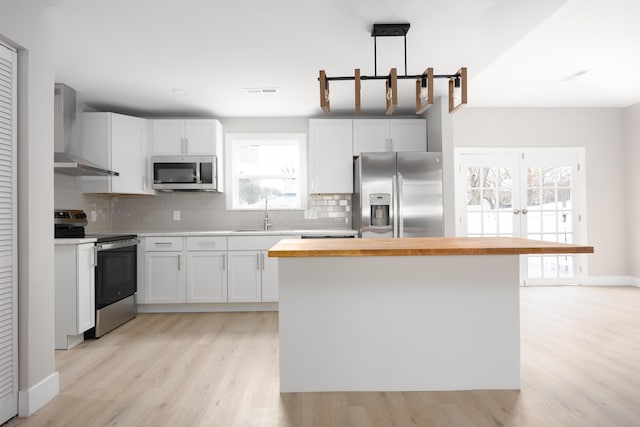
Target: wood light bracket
column 424, row 81
column 458, row 90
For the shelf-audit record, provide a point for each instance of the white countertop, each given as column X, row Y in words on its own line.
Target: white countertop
column 331, row 233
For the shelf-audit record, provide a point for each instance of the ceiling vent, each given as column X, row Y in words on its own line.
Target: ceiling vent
column 260, row 90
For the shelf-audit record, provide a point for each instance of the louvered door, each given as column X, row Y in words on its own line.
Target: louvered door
column 8, row 249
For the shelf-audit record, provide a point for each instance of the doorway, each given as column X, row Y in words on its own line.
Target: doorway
column 531, row 193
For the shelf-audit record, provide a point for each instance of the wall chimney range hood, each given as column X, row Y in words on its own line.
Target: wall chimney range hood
column 64, row 160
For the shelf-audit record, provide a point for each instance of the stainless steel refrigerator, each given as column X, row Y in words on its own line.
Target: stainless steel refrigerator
column 398, row 195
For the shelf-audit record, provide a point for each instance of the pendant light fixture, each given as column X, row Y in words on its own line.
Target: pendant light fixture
column 424, row 81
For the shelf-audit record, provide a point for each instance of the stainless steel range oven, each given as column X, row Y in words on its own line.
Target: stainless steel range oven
column 115, row 271
column 116, row 283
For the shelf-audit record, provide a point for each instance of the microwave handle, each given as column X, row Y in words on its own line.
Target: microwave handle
column 198, row 180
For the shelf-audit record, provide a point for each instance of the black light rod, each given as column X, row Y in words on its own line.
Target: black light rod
column 405, row 54
column 400, row 77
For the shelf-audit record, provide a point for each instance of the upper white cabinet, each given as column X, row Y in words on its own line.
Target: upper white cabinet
column 380, row 135
column 193, row 136
column 330, row 156
column 120, row 143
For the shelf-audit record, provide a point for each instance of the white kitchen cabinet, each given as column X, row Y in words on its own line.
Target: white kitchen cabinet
column 245, row 276
column 165, row 272
column 269, row 278
column 330, row 156
column 370, row 136
column 74, row 293
column 120, row 143
column 165, row 277
column 381, row 135
column 253, row 276
column 193, row 136
column 207, row 269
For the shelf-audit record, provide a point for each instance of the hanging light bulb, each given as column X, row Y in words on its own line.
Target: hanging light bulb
column 457, row 90
column 424, row 90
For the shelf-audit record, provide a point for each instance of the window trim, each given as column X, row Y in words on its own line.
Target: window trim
column 229, row 139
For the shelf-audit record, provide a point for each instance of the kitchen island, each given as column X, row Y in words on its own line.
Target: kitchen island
column 402, row 314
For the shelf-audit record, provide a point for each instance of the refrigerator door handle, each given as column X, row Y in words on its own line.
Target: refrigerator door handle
column 394, row 204
column 399, row 212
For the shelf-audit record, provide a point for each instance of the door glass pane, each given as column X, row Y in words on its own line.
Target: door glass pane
column 505, row 222
column 474, row 223
column 565, row 264
column 489, row 201
column 534, row 267
column 549, row 216
column 550, row 266
column 534, row 222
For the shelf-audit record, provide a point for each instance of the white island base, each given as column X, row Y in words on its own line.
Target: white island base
column 399, row 323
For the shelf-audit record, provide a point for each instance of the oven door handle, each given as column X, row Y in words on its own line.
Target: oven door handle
column 117, row 245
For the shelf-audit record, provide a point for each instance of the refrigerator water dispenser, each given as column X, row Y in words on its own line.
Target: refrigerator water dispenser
column 380, row 203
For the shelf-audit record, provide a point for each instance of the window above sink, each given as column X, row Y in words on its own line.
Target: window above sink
column 266, row 169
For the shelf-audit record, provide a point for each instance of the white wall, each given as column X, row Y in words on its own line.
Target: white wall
column 632, row 156
column 600, row 131
column 26, row 24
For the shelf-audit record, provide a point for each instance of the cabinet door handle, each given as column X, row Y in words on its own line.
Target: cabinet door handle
column 224, row 262
column 186, row 145
column 144, row 183
column 162, row 243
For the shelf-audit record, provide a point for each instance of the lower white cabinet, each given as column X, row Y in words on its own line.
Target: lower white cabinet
column 245, row 276
column 269, row 278
column 75, row 308
column 209, row 269
column 164, row 268
column 207, row 276
column 253, row 276
column 165, row 277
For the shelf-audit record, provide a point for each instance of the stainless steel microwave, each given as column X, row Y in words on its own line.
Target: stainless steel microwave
column 185, row 173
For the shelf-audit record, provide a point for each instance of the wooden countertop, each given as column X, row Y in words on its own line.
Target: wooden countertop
column 422, row 246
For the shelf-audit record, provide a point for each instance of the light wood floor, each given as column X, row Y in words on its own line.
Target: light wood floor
column 580, row 367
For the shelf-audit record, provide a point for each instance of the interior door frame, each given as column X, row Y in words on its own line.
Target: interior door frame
column 521, row 153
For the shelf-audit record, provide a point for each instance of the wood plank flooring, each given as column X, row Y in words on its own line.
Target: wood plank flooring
column 580, row 367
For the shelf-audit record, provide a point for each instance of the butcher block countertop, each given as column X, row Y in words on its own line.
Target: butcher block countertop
column 422, row 246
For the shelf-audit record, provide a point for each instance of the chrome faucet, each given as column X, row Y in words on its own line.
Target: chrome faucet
column 267, row 224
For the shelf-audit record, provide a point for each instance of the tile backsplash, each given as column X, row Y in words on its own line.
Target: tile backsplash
column 199, row 211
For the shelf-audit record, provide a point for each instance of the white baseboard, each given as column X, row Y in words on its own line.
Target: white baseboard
column 206, row 308
column 611, row 281
column 29, row 401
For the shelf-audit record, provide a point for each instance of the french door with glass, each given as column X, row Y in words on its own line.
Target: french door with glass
column 530, row 193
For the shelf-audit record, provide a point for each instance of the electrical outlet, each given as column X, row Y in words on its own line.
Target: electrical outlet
column 94, row 216
column 176, row 215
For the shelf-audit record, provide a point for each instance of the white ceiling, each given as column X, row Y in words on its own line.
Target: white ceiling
column 129, row 56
